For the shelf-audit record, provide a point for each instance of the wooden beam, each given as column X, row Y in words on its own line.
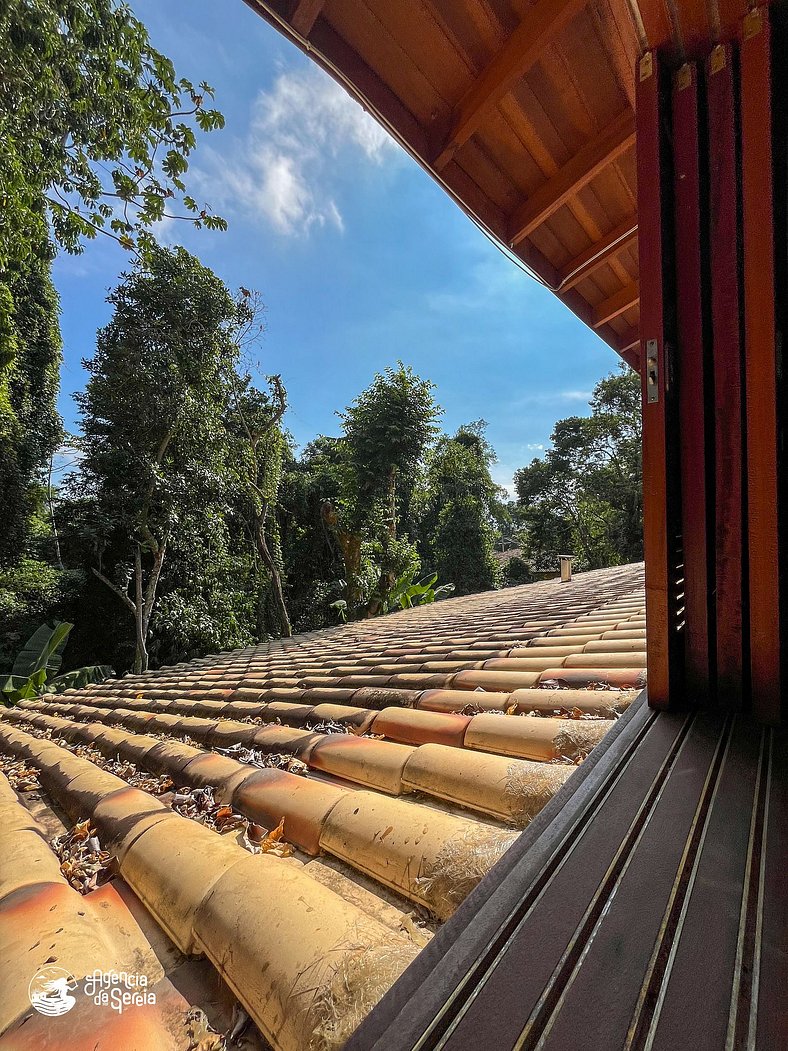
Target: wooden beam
column 598, row 254
column 690, row 352
column 540, row 25
column 659, row 475
column 617, row 137
column 629, row 340
column 631, row 357
column 760, row 349
column 729, row 543
column 305, row 14
column 616, row 304
column 331, row 52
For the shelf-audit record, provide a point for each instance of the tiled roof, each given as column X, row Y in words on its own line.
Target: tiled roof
column 396, row 757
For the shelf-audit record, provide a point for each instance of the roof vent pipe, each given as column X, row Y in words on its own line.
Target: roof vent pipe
column 565, row 562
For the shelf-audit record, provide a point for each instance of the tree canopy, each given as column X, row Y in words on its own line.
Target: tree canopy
column 96, row 129
column 458, row 501
column 153, row 419
column 585, row 496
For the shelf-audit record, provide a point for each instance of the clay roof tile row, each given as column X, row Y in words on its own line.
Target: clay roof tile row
column 416, row 743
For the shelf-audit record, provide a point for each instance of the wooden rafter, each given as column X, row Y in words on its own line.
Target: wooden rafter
column 541, row 24
column 598, row 254
column 616, row 304
column 629, row 341
column 591, row 159
column 305, row 14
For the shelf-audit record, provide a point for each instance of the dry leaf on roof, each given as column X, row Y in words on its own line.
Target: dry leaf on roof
column 82, row 861
column 328, row 726
column 274, row 843
column 21, row 777
column 201, row 1036
column 264, row 760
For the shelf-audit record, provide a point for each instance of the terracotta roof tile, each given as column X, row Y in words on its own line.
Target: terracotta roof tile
column 416, row 744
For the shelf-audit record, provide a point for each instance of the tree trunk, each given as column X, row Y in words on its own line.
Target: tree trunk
column 392, row 494
column 276, row 579
column 141, row 654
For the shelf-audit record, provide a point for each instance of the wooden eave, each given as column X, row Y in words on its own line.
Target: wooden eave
column 523, row 111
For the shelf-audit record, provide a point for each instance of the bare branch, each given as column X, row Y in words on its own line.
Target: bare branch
column 124, row 598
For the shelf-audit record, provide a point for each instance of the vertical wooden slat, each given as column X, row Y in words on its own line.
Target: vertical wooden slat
column 691, row 369
column 657, row 482
column 727, row 369
column 761, row 364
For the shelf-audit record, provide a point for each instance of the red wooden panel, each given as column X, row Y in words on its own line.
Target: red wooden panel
column 690, row 355
column 649, row 97
column 727, row 368
column 761, row 363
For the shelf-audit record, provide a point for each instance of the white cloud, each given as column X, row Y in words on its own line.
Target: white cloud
column 535, row 447
column 558, row 397
column 285, row 169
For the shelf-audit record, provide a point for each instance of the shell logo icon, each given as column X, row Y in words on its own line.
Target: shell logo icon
column 50, row 991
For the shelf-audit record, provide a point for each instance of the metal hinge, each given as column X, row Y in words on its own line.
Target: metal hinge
column 652, row 371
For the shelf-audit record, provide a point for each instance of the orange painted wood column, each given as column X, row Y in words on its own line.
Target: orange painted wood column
column 760, row 343
column 731, row 624
column 691, row 342
column 660, row 476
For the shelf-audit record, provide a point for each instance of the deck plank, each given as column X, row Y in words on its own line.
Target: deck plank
column 520, row 976
column 639, row 909
column 706, row 942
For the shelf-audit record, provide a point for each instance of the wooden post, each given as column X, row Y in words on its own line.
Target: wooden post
column 761, row 365
column 659, row 476
column 691, row 366
column 728, row 378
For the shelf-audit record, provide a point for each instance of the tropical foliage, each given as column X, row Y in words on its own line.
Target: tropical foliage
column 37, row 663
column 585, row 496
column 191, row 522
column 96, row 129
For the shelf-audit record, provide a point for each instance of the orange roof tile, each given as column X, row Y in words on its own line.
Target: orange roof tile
column 407, row 750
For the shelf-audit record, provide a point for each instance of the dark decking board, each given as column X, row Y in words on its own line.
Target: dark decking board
column 648, row 910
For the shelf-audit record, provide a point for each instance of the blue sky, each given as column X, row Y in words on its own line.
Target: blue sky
column 361, row 259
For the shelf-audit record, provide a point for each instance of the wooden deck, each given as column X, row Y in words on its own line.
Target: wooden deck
column 645, row 908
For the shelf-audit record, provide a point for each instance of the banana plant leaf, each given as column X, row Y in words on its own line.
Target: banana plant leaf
column 15, row 688
column 80, row 677
column 43, row 651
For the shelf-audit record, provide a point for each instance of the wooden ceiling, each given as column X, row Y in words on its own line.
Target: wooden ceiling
column 523, row 110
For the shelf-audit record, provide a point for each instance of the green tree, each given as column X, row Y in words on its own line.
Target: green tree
column 96, row 130
column 386, row 432
column 585, row 496
column 153, row 417
column 458, row 511
column 260, row 443
column 30, row 427
column 313, row 563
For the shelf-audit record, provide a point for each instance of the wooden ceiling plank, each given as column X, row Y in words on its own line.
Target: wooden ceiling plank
column 617, row 304
column 696, row 27
column 577, row 173
column 598, row 254
column 305, row 14
column 541, row 24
